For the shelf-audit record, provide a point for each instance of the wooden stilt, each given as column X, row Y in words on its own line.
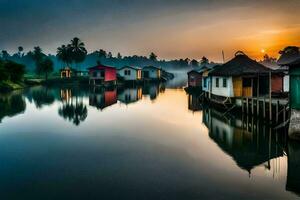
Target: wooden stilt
column 284, row 113
column 243, row 105
column 252, row 106
column 247, row 105
column 264, row 108
column 257, row 103
column 270, row 96
column 277, row 110
column 257, row 107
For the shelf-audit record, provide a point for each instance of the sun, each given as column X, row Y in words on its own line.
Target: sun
column 263, row 50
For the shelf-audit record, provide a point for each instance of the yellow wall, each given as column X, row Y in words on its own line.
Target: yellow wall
column 237, row 86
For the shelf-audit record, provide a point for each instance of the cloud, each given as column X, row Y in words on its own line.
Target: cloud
column 137, row 27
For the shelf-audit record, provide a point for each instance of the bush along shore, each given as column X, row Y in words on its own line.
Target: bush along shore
column 11, row 76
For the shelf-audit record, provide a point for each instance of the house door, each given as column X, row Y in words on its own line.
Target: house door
column 247, row 87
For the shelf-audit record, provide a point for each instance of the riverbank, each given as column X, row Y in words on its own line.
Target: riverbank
column 8, row 86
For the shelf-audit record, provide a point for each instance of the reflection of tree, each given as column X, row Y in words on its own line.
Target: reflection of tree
column 42, row 97
column 75, row 113
column 11, row 105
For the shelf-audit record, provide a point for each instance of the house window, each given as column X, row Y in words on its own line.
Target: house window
column 94, row 74
column 127, row 72
column 217, row 82
column 224, row 82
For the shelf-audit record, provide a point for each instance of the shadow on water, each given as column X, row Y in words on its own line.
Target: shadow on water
column 250, row 142
column 11, row 105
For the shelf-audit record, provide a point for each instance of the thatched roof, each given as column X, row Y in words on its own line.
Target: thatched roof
column 289, row 56
column 241, row 64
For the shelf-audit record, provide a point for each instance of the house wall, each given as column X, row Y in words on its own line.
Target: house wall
column 295, row 87
column 110, row 74
column 286, row 83
column 222, row 91
column 277, row 83
column 153, row 73
column 194, row 79
column 237, row 86
column 133, row 74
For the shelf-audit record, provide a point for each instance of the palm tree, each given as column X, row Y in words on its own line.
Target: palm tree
column 63, row 54
column 38, row 54
column 20, row 49
column 78, row 50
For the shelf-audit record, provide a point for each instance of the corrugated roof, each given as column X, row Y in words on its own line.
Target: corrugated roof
column 101, row 67
column 158, row 68
column 241, row 64
column 132, row 67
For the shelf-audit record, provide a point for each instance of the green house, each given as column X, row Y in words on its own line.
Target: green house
column 290, row 57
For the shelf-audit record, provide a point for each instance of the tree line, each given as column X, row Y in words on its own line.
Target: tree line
column 75, row 55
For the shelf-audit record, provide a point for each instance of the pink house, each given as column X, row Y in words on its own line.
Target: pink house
column 102, row 74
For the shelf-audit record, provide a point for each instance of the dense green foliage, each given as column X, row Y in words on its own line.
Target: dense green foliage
column 11, row 71
column 44, row 66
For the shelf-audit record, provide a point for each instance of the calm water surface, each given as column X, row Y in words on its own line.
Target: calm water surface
column 153, row 142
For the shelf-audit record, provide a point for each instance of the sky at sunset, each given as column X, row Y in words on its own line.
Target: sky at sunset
column 170, row 28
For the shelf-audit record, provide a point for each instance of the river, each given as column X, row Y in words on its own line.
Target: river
column 149, row 142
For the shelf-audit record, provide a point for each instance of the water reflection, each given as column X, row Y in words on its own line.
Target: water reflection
column 130, row 95
column 166, row 144
column 74, row 101
column 102, row 98
column 293, row 174
column 41, row 96
column 72, row 108
column 250, row 143
column 11, row 105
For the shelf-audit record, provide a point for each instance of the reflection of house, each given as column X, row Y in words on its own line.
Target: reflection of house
column 151, row 73
column 65, row 94
column 293, row 175
column 102, row 74
column 102, row 98
column 152, row 90
column 244, row 77
column 195, row 103
column 248, row 143
column 130, row 95
column 130, row 73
